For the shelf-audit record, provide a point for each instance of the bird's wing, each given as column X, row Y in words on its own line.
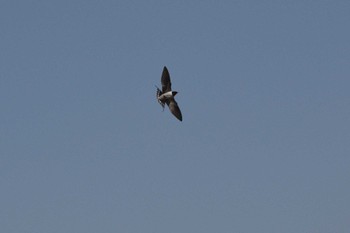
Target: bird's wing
column 166, row 84
column 174, row 109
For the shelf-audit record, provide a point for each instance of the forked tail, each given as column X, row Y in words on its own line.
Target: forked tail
column 159, row 93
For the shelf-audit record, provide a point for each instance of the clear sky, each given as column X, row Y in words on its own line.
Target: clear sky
column 264, row 145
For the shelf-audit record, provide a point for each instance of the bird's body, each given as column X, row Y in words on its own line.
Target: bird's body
column 166, row 95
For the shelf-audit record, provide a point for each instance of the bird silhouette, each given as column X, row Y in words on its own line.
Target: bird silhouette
column 166, row 95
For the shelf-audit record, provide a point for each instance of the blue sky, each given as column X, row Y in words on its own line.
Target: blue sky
column 263, row 88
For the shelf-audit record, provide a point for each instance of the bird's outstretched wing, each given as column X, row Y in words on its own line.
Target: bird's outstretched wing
column 165, row 80
column 174, row 109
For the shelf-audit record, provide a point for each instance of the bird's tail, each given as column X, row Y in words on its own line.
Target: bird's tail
column 159, row 93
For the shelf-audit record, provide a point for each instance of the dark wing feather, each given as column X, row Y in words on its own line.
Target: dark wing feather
column 166, row 84
column 174, row 109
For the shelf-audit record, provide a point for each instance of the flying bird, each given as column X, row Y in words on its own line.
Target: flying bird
column 166, row 95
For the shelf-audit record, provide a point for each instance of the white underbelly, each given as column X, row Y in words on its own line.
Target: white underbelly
column 167, row 94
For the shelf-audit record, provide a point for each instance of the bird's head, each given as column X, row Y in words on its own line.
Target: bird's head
column 174, row 93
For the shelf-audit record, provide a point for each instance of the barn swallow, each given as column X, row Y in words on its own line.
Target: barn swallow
column 166, row 95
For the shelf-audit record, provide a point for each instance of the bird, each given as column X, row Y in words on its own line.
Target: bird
column 166, row 95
